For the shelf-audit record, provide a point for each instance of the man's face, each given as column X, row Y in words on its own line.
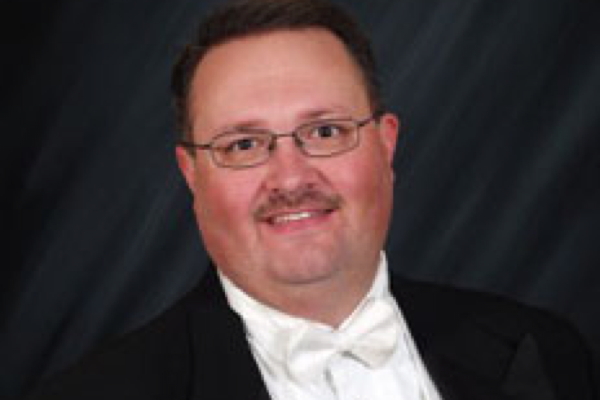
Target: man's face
column 294, row 222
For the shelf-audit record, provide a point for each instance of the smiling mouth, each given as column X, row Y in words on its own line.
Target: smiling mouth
column 295, row 209
column 290, row 217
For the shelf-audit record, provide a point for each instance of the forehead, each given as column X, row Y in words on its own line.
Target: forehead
column 280, row 75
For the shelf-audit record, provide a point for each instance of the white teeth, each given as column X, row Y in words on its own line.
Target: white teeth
column 282, row 219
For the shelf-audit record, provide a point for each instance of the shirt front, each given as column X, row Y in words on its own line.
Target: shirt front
column 403, row 376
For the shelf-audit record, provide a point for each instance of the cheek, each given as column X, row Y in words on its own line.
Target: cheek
column 367, row 187
column 223, row 204
column 368, row 172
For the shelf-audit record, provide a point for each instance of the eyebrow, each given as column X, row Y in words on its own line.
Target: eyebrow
column 306, row 116
column 333, row 112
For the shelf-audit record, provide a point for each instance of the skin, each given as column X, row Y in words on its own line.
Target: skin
column 321, row 265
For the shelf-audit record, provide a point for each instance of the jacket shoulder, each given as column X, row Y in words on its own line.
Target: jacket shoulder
column 443, row 307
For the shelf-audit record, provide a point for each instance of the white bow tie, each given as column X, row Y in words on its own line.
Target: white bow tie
column 370, row 337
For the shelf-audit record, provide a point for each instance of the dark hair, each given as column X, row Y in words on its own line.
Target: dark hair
column 247, row 17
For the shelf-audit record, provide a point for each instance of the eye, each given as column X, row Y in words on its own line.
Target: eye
column 327, row 131
column 242, row 144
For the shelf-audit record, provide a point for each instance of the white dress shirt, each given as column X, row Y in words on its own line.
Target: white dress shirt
column 402, row 376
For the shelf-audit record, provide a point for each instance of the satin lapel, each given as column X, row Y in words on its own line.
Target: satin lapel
column 525, row 378
column 465, row 359
column 223, row 365
column 472, row 365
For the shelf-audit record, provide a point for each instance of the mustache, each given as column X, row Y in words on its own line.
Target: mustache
column 305, row 196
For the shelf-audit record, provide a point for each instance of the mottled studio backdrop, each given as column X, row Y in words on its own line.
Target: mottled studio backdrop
column 498, row 175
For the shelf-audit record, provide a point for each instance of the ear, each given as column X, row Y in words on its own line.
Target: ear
column 187, row 166
column 389, row 128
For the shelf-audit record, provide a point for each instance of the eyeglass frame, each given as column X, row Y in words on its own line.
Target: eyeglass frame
column 274, row 136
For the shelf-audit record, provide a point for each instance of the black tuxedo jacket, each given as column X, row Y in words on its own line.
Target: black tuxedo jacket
column 475, row 346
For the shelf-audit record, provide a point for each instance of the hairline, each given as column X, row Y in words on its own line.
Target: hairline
column 360, row 73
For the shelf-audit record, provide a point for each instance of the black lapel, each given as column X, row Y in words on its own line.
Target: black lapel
column 465, row 359
column 223, row 365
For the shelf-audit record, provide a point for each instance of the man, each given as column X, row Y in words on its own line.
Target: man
column 287, row 150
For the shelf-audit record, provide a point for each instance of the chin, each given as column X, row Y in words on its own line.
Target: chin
column 304, row 270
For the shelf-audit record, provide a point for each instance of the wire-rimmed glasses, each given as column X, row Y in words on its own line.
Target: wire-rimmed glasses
column 249, row 147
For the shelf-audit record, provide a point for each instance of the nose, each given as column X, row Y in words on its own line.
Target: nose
column 288, row 168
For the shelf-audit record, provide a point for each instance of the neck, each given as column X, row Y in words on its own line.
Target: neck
column 327, row 305
column 329, row 302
